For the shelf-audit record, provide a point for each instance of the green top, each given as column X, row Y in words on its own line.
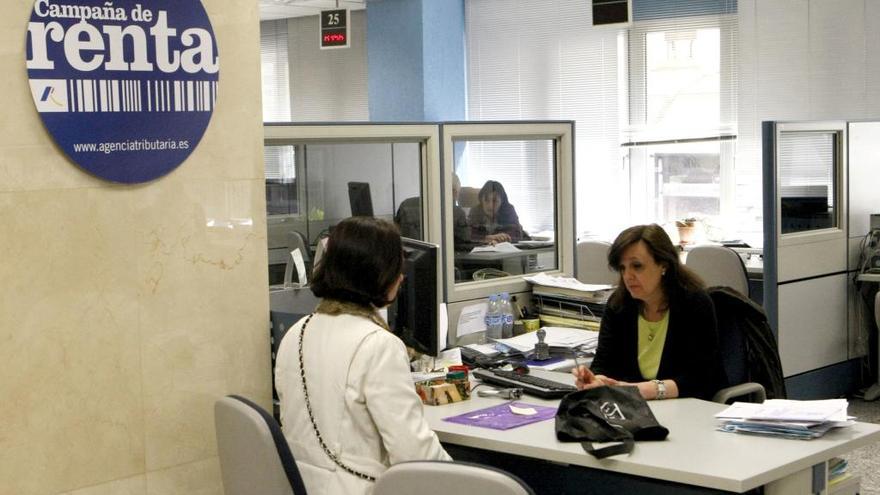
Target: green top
column 652, row 336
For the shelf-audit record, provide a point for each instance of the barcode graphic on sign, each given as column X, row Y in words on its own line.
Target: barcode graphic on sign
column 115, row 95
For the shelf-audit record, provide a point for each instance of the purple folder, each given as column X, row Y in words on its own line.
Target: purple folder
column 501, row 418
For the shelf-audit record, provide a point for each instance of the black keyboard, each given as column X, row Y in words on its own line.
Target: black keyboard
column 532, row 385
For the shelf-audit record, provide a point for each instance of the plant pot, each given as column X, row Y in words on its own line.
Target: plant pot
column 687, row 235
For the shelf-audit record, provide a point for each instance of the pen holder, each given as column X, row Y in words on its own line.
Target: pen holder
column 531, row 324
column 454, row 388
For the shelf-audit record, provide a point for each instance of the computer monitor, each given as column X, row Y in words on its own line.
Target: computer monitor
column 359, row 199
column 415, row 314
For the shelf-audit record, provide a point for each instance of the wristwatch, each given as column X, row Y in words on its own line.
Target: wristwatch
column 661, row 389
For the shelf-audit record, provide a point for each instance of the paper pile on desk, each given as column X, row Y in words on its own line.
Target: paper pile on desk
column 568, row 285
column 556, row 337
column 801, row 419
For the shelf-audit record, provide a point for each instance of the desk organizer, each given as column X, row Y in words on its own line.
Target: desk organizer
column 454, row 387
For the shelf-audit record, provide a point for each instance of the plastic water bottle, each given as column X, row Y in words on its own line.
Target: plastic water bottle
column 506, row 315
column 494, row 319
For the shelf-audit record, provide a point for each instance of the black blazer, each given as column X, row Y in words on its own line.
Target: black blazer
column 690, row 354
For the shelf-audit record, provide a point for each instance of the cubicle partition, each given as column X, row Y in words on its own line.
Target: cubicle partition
column 437, row 181
column 820, row 185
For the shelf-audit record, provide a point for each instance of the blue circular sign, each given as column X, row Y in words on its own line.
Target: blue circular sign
column 125, row 87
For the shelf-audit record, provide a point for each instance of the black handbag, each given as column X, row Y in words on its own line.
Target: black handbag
column 607, row 414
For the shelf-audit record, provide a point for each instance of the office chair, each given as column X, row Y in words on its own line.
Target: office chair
column 592, row 263
column 409, row 218
column 748, row 350
column 719, row 266
column 254, row 455
column 444, row 478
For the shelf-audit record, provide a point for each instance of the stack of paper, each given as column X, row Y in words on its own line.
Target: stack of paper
column 568, row 286
column 801, row 419
column 556, row 338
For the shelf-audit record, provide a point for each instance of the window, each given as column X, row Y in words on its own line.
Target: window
column 807, row 181
column 680, row 139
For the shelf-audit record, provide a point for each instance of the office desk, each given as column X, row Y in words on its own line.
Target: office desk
column 695, row 458
column 514, row 263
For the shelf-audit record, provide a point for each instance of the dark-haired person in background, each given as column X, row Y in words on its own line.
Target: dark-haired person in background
column 494, row 219
column 354, row 386
column 658, row 331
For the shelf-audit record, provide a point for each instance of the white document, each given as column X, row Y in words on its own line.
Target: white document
column 444, row 328
column 556, row 337
column 300, row 267
column 501, row 247
column 485, row 349
column 788, row 410
column 472, row 319
column 565, row 283
column 447, row 358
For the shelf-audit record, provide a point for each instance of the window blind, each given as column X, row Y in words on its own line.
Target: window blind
column 274, row 69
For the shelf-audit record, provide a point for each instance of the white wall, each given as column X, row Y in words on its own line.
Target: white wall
column 803, row 60
column 126, row 311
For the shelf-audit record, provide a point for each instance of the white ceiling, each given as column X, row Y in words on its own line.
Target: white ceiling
column 281, row 9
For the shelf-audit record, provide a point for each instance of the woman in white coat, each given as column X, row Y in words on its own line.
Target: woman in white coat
column 348, row 406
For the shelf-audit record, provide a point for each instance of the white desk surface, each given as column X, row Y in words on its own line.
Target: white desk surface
column 694, row 453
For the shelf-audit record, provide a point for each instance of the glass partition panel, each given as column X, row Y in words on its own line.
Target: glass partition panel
column 310, row 187
column 807, row 181
column 504, row 208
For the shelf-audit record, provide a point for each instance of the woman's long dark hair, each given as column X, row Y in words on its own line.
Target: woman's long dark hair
column 493, row 187
column 363, row 259
column 677, row 279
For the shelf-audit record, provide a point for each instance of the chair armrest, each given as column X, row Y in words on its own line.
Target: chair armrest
column 727, row 393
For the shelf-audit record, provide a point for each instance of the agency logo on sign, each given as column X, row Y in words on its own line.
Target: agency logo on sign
column 125, row 87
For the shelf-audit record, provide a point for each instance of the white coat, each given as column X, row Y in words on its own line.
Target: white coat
column 363, row 401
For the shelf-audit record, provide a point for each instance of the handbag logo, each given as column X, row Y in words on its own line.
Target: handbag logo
column 611, row 410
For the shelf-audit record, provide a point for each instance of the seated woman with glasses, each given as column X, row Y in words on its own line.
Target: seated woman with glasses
column 349, row 409
column 494, row 219
column 658, row 332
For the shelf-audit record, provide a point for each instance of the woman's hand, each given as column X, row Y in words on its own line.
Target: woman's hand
column 584, row 378
column 499, row 237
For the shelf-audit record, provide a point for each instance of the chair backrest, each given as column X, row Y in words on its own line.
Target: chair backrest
column 592, row 263
column 748, row 348
column 254, row 455
column 719, row 266
column 468, row 197
column 444, row 478
column 409, row 217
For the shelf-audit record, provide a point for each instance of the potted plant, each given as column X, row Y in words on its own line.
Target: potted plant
column 687, row 228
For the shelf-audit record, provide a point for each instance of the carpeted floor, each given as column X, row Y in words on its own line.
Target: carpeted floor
column 865, row 462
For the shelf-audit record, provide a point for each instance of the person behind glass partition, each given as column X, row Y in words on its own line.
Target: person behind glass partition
column 658, row 332
column 343, row 378
column 494, row 219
